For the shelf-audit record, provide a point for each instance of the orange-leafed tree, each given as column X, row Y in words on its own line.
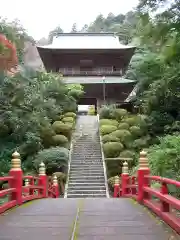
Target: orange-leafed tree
column 8, row 55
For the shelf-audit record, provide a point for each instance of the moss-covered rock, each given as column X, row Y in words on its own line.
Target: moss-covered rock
column 112, row 149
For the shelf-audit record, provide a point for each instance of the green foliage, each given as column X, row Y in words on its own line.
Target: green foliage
column 68, row 120
column 70, row 114
column 60, row 140
column 108, row 122
column 123, row 135
column 109, row 138
column 106, row 129
column 127, row 154
column 123, row 126
column 31, row 102
column 164, row 158
column 62, row 128
column 135, row 131
column 54, row 158
column 112, row 149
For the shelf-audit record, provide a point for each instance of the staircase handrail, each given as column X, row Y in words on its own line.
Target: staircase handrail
column 103, row 160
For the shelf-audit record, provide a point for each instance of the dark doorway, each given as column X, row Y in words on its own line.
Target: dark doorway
column 88, row 102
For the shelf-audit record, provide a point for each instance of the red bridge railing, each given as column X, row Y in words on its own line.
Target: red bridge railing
column 140, row 187
column 25, row 188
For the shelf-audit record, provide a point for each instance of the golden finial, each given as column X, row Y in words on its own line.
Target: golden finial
column 16, row 161
column 125, row 168
column 116, row 181
column 42, row 169
column 26, row 182
column 55, row 181
column 143, row 160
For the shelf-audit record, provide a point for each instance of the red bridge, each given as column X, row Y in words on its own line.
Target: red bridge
column 137, row 209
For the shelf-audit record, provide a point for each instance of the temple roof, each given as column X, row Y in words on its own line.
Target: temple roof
column 86, row 41
column 97, row 80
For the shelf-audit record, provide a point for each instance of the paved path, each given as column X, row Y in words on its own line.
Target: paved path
column 82, row 219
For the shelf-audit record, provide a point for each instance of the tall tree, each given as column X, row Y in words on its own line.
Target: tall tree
column 74, row 28
column 54, row 32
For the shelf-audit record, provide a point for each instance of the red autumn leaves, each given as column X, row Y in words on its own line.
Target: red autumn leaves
column 8, row 54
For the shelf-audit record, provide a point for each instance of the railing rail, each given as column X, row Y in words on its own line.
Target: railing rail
column 21, row 188
column 92, row 72
column 140, row 187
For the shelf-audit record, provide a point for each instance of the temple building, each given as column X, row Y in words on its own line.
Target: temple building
column 98, row 61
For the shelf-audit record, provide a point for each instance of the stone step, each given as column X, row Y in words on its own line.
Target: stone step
column 89, row 177
column 86, row 195
column 86, row 182
column 81, row 167
column 86, row 191
column 87, row 173
column 86, row 164
column 86, row 188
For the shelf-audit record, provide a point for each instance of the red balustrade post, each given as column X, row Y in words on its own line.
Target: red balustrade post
column 43, row 181
column 56, row 186
column 116, row 187
column 17, row 181
column 164, row 205
column 142, row 172
column 125, row 179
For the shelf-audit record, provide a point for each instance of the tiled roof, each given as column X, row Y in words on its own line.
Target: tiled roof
column 86, row 41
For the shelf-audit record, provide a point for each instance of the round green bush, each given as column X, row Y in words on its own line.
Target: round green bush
column 112, row 149
column 135, row 131
column 109, row 138
column 132, row 120
column 68, row 120
column 127, row 154
column 70, row 114
column 106, row 129
column 54, row 158
column 123, row 126
column 108, row 122
column 140, row 143
column 123, row 135
column 62, row 128
column 60, row 140
column 119, row 113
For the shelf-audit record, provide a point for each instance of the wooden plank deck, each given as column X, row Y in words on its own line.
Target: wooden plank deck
column 82, row 219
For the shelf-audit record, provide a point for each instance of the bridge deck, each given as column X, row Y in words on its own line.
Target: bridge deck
column 82, row 219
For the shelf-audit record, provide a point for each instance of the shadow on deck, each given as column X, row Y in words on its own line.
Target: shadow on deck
column 82, row 219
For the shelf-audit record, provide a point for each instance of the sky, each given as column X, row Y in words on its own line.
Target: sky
column 39, row 17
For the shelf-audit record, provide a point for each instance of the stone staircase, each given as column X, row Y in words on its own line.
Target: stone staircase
column 86, row 172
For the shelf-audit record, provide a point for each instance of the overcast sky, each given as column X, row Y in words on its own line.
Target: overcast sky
column 40, row 16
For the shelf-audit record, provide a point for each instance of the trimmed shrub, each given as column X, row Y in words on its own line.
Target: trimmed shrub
column 105, row 112
column 54, row 158
column 127, row 154
column 63, row 128
column 68, row 120
column 108, row 122
column 141, row 143
column 60, row 140
column 106, row 129
column 70, row 114
column 123, row 126
column 112, row 149
column 91, row 110
column 119, row 113
column 135, row 131
column 123, row 135
column 109, row 138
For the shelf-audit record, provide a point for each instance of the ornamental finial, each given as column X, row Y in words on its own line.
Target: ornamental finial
column 16, row 161
column 143, row 160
